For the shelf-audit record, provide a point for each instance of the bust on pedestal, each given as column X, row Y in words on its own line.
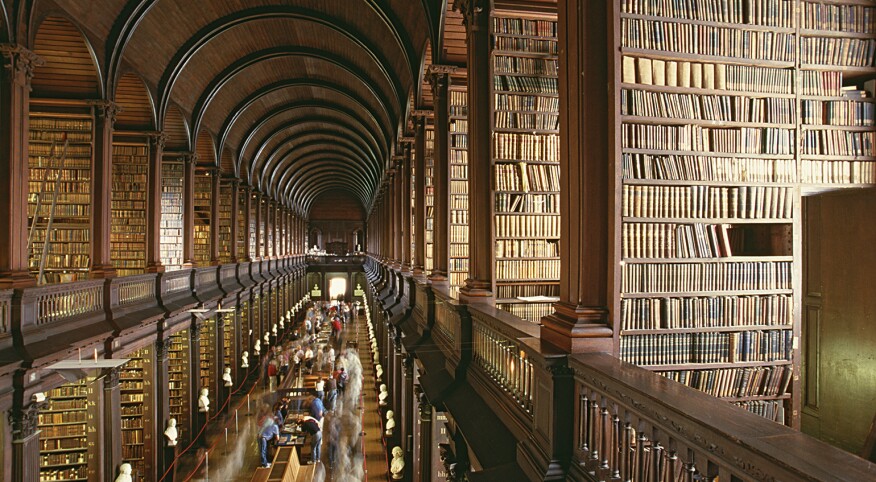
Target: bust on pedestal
column 397, row 466
column 257, row 348
column 244, row 359
column 203, row 409
column 390, row 423
column 379, row 372
column 171, row 437
column 124, row 473
column 383, row 395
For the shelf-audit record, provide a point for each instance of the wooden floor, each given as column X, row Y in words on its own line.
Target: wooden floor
column 233, row 451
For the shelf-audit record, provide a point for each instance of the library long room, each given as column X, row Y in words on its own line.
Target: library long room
column 437, row 240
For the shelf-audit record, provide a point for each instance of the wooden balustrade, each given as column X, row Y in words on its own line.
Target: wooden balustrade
column 59, row 302
column 135, row 289
column 176, row 281
column 634, row 425
column 503, row 360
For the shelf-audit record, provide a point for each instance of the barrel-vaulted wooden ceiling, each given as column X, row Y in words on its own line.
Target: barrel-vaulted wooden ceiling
column 296, row 97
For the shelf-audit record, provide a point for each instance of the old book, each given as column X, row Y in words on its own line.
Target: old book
column 684, row 74
column 709, row 76
column 672, row 73
column 644, row 71
column 696, row 76
column 720, row 76
column 629, row 70
column 658, row 69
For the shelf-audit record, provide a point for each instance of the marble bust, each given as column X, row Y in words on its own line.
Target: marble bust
column 226, row 377
column 244, row 359
column 383, row 395
column 397, row 466
column 390, row 423
column 171, row 435
column 124, row 473
column 204, row 401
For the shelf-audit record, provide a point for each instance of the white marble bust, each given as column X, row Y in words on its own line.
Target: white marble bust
column 226, row 377
column 397, row 466
column 379, row 372
column 244, row 359
column 267, row 338
column 390, row 422
column 204, row 401
column 257, row 348
column 124, row 473
column 383, row 395
column 171, row 435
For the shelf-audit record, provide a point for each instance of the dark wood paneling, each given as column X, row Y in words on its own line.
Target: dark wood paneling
column 136, row 109
column 176, row 129
column 69, row 71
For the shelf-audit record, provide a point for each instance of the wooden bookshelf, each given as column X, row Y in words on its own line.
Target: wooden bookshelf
column 458, row 208
column 178, row 361
column 67, row 426
column 203, row 222
column 429, row 197
column 253, row 229
column 208, row 369
column 229, row 342
column 62, row 180
column 223, row 224
column 242, row 227
column 525, row 162
column 715, row 146
column 172, row 172
column 247, row 333
column 128, row 223
column 137, row 392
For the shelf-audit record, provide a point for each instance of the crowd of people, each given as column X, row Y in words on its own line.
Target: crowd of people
column 307, row 353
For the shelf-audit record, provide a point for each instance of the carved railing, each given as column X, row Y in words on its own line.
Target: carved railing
column 177, row 281
column 503, row 360
column 136, row 289
column 634, row 425
column 5, row 311
column 58, row 302
column 447, row 321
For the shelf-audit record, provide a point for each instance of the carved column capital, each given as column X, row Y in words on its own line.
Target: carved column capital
column 425, row 411
column 24, row 421
column 111, row 380
column 157, row 139
column 475, row 13
column 20, row 62
column 106, row 109
column 189, row 158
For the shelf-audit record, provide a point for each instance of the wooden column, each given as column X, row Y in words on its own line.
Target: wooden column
column 195, row 377
column 258, row 226
column 214, row 217
column 439, row 79
column 247, row 214
column 25, row 441
column 162, row 402
column 112, row 424
column 395, row 199
column 420, row 189
column 153, row 204
column 479, row 286
column 189, row 160
column 580, row 321
column 235, row 207
column 274, row 217
column 17, row 71
column 405, row 201
column 101, row 189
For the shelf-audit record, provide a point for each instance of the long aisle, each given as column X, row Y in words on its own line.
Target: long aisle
column 372, row 424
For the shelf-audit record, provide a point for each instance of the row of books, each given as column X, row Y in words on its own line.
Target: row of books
column 59, row 210
column 522, row 44
column 774, row 13
column 512, row 291
column 707, row 168
column 75, row 473
column 697, row 39
column 706, row 312
column 62, row 417
column 738, row 202
column 526, row 147
column 526, row 248
column 838, row 17
column 459, row 249
column 527, row 177
column 518, row 120
column 63, row 249
column 58, row 123
column 768, row 381
column 524, row 26
column 706, row 75
column 517, row 226
column 58, row 137
column 706, row 277
column 521, row 102
column 838, row 112
column 532, row 312
column 838, row 52
column 770, row 409
column 832, row 142
column 76, row 155
column 69, row 458
column 64, row 235
column 528, row 269
column 841, row 172
column 670, row 240
column 527, row 203
column 721, row 108
column 64, row 261
column 707, row 347
column 505, row 64
column 52, row 175
column 519, row 83
column 737, row 140
column 459, row 234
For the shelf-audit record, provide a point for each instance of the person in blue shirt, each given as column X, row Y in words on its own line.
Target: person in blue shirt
column 268, row 432
column 317, row 409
